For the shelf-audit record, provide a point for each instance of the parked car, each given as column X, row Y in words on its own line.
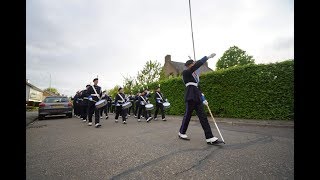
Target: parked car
column 55, row 105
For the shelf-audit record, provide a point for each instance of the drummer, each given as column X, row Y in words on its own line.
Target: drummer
column 159, row 104
column 93, row 98
column 143, row 100
column 136, row 103
column 119, row 100
column 131, row 108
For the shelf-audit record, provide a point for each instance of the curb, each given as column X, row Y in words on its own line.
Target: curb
column 31, row 122
column 30, row 118
column 246, row 122
column 258, row 124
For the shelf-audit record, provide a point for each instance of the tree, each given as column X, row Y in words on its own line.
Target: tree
column 53, row 90
column 150, row 73
column 162, row 75
column 234, row 56
column 128, row 84
column 113, row 92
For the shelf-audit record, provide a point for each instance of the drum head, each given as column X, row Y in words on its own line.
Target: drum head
column 166, row 104
column 100, row 102
column 149, row 105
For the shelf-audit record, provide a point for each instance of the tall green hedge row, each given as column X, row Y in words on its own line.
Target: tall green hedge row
column 263, row 91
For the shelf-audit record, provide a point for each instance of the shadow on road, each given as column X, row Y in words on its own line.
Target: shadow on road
column 54, row 117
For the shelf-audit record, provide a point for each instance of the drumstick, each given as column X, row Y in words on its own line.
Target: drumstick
column 215, row 123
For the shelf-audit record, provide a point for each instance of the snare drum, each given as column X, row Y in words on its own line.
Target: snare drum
column 149, row 107
column 166, row 105
column 101, row 103
column 126, row 105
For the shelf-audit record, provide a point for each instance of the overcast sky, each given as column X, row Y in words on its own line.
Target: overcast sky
column 76, row 40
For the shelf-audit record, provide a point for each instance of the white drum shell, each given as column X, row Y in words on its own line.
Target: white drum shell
column 101, row 103
column 126, row 105
column 149, row 107
column 166, row 105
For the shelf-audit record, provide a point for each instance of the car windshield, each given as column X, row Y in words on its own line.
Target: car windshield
column 56, row 99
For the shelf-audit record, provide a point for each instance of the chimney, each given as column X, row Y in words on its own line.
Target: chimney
column 167, row 58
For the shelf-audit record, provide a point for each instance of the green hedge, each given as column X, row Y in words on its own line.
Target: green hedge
column 262, row 91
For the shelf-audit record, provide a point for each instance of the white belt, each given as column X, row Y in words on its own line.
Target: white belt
column 85, row 98
column 94, row 95
column 192, row 83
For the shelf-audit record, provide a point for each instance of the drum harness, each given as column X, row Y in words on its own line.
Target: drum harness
column 95, row 94
column 160, row 96
column 144, row 100
column 121, row 98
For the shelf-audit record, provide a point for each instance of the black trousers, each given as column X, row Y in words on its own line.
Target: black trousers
column 190, row 106
column 112, row 108
column 108, row 107
column 122, row 112
column 84, row 111
column 159, row 106
column 142, row 110
column 136, row 108
column 76, row 109
column 92, row 108
column 104, row 109
column 131, row 108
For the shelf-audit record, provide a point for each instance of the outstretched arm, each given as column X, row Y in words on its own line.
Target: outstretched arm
column 200, row 62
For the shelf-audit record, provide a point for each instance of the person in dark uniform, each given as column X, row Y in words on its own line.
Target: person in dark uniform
column 136, row 103
column 193, row 100
column 113, row 106
column 104, row 108
column 119, row 100
column 109, row 100
column 131, row 108
column 76, row 105
column 80, row 100
column 159, row 98
column 147, row 95
column 84, row 104
column 142, row 102
column 94, row 96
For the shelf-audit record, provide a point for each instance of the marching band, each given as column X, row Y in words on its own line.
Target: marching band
column 93, row 101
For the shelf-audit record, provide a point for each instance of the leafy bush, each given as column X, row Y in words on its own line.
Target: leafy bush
column 263, row 91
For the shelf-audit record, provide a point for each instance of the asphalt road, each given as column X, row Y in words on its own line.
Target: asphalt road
column 66, row 148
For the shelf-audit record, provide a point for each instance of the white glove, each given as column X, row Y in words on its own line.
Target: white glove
column 166, row 100
column 211, row 55
column 205, row 102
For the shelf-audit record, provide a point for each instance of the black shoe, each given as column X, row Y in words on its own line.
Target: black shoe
column 107, row 117
column 149, row 119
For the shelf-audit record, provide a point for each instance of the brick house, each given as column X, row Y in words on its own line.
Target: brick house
column 173, row 68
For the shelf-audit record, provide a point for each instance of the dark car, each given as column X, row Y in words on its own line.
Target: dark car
column 55, row 105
